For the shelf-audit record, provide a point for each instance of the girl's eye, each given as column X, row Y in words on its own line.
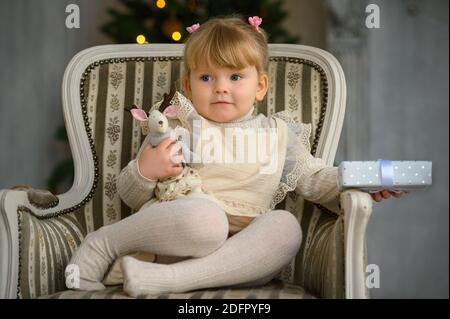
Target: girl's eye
column 236, row 77
column 206, row 78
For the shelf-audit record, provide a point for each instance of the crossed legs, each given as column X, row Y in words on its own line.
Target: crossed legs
column 184, row 227
column 188, row 227
column 253, row 256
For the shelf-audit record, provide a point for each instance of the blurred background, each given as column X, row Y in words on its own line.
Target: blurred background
column 397, row 104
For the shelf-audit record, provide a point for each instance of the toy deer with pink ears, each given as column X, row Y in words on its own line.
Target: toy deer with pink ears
column 158, row 127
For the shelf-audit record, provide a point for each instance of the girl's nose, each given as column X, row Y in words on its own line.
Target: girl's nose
column 221, row 87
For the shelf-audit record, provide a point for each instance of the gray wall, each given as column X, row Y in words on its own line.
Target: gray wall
column 397, row 108
column 408, row 111
column 36, row 47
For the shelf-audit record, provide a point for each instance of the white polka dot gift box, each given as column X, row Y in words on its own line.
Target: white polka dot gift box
column 373, row 176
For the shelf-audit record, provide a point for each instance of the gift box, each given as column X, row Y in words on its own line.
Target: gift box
column 373, row 176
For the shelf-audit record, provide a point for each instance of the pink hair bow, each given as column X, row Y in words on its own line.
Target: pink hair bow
column 193, row 28
column 255, row 21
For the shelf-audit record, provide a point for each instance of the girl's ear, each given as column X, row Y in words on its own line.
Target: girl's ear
column 187, row 87
column 263, row 86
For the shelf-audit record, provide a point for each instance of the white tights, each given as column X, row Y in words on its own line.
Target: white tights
column 194, row 228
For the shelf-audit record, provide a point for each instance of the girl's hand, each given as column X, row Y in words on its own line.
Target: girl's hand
column 384, row 194
column 161, row 161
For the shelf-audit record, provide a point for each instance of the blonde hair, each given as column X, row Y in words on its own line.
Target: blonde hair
column 226, row 42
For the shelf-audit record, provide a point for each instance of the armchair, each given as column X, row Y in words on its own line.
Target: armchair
column 39, row 231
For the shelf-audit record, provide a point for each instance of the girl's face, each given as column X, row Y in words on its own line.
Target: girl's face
column 222, row 94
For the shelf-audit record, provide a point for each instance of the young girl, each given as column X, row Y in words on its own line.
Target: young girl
column 229, row 235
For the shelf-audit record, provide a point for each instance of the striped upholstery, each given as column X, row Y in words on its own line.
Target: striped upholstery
column 108, row 86
column 274, row 290
column 46, row 246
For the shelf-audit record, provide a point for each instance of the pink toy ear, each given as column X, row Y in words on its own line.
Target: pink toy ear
column 171, row 111
column 139, row 114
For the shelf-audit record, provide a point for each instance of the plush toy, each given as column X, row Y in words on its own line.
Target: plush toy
column 158, row 129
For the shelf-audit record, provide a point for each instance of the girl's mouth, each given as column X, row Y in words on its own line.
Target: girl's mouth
column 221, row 102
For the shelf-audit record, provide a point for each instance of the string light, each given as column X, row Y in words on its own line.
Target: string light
column 141, row 39
column 176, row 36
column 160, row 4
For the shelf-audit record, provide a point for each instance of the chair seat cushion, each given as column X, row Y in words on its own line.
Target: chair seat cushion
column 273, row 290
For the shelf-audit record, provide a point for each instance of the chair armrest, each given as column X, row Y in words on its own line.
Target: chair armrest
column 9, row 243
column 331, row 261
column 319, row 264
column 357, row 207
column 39, row 198
column 28, row 230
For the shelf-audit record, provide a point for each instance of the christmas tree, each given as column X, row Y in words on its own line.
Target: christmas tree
column 160, row 21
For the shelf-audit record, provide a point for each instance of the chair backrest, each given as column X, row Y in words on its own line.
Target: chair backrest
column 100, row 81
